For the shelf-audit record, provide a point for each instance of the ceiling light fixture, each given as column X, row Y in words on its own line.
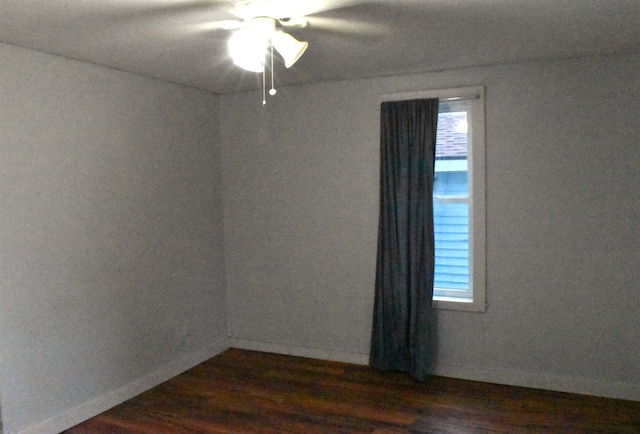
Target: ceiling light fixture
column 289, row 47
column 250, row 45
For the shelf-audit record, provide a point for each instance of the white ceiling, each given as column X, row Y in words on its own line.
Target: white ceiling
column 167, row 39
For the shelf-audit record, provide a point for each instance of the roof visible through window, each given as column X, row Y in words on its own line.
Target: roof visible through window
column 451, row 140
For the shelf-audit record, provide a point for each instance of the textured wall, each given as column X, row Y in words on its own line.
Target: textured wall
column 301, row 195
column 111, row 255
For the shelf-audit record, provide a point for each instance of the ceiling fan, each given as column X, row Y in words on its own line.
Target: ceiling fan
column 252, row 39
column 260, row 28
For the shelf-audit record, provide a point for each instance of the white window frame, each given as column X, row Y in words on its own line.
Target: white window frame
column 476, row 174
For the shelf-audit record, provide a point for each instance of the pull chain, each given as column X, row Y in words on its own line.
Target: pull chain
column 264, row 93
column 272, row 91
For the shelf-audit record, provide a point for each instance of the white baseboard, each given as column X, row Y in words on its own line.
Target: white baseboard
column 295, row 350
column 581, row 385
column 587, row 386
column 124, row 393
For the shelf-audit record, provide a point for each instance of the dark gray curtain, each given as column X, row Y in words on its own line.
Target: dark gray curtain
column 404, row 276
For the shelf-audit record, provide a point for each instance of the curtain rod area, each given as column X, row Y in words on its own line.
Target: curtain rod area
column 460, row 98
column 444, row 95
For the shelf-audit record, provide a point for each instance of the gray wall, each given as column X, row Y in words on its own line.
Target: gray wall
column 111, row 243
column 563, row 203
column 112, row 273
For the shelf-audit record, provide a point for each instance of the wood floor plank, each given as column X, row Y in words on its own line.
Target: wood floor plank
column 243, row 391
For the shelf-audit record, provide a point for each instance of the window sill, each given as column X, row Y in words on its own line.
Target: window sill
column 461, row 304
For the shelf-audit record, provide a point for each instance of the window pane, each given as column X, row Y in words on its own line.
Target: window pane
column 451, row 205
column 453, row 184
column 451, row 225
column 451, row 139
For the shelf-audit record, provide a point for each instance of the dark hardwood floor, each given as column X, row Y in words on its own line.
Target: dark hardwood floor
column 251, row 392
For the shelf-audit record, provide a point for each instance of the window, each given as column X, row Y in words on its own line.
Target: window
column 458, row 198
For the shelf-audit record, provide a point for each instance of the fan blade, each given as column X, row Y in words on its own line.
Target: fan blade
column 156, row 23
column 136, row 11
column 312, row 7
column 347, row 26
column 214, row 25
column 288, row 8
